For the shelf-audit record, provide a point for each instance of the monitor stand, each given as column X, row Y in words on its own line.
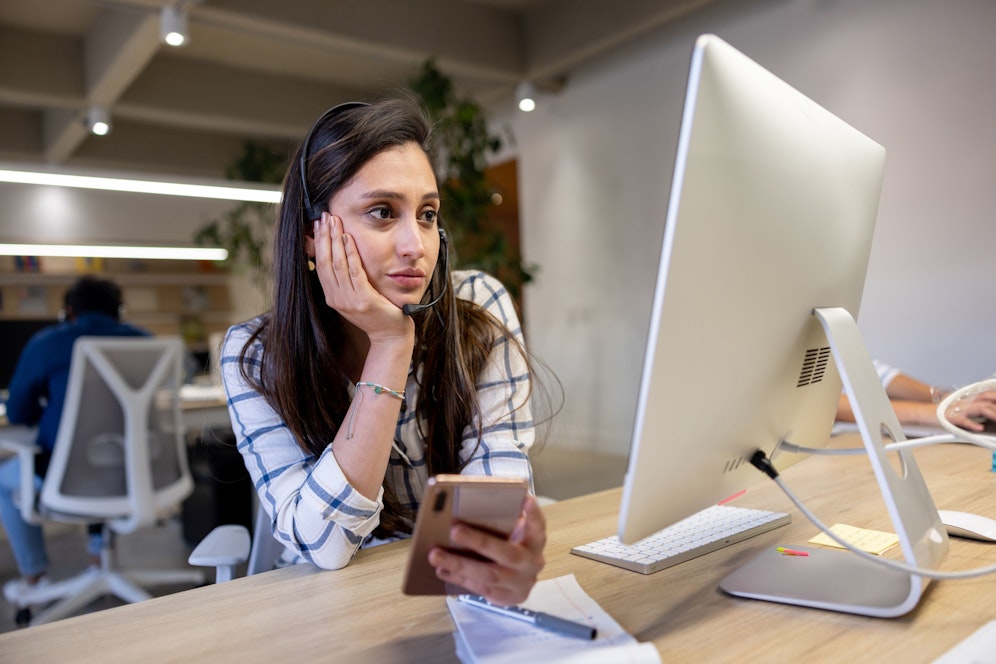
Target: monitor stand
column 839, row 580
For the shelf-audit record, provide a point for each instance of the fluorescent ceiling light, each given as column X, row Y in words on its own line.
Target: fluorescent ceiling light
column 114, row 251
column 223, row 192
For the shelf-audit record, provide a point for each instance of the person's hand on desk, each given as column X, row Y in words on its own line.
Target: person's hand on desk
column 967, row 413
column 512, row 567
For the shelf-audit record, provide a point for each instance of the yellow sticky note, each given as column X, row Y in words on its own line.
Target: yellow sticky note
column 872, row 541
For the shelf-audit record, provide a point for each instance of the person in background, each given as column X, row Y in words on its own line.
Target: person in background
column 916, row 402
column 37, row 392
column 342, row 402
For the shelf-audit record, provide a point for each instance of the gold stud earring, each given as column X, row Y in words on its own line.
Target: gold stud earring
column 311, row 265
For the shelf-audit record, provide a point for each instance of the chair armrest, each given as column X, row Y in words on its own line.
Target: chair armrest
column 21, row 441
column 223, row 548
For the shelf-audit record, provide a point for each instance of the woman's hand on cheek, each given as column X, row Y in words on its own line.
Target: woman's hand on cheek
column 345, row 284
column 512, row 567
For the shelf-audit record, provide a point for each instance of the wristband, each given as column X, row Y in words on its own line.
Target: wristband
column 380, row 389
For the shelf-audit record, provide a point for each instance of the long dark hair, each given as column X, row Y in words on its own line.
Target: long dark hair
column 301, row 374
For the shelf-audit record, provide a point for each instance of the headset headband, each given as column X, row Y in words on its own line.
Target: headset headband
column 312, row 211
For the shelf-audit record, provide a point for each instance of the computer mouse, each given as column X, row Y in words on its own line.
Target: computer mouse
column 972, row 526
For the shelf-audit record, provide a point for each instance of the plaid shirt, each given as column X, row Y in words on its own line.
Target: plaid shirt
column 317, row 515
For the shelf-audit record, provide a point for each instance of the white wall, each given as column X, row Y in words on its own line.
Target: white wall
column 595, row 165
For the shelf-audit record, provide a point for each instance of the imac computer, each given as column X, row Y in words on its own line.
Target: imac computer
column 752, row 333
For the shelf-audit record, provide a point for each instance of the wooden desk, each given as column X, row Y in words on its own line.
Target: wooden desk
column 359, row 614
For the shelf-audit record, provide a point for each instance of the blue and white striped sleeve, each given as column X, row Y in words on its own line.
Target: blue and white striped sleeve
column 315, row 512
column 505, row 427
column 886, row 372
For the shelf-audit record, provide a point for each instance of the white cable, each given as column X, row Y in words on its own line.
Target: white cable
column 982, row 440
column 886, row 562
column 911, row 443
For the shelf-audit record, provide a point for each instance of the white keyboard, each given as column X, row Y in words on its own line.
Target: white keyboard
column 706, row 531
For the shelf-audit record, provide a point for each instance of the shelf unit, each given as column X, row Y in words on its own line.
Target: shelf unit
column 186, row 298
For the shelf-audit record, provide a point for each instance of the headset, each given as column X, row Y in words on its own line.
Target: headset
column 313, row 211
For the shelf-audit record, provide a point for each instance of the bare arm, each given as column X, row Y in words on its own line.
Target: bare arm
column 913, row 402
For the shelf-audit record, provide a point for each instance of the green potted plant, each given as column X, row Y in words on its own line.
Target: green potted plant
column 467, row 195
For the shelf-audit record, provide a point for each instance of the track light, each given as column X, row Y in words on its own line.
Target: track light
column 173, row 26
column 525, row 95
column 98, row 121
column 527, row 92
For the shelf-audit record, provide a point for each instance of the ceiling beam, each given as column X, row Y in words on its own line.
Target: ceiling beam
column 158, row 149
column 487, row 44
column 248, row 103
column 116, row 49
column 561, row 34
column 38, row 70
column 20, row 134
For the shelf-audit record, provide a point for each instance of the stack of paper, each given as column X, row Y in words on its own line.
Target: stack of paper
column 488, row 638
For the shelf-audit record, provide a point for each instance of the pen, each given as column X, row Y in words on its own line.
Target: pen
column 790, row 552
column 537, row 618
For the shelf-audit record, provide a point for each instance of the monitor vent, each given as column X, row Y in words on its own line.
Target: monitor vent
column 814, row 365
column 733, row 464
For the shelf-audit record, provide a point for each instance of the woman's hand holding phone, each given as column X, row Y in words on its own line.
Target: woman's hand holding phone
column 476, row 535
column 508, row 568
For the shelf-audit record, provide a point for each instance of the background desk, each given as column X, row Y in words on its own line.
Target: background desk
column 204, row 407
column 359, row 614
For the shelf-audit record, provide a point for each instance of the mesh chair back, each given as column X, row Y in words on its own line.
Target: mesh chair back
column 120, row 454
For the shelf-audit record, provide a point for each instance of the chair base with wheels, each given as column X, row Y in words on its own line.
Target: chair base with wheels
column 59, row 599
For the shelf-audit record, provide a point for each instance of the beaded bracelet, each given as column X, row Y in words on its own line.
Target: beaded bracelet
column 380, row 389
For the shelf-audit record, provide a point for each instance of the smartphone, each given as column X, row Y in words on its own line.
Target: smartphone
column 490, row 503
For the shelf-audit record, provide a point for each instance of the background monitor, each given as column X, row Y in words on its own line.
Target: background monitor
column 15, row 334
column 772, row 210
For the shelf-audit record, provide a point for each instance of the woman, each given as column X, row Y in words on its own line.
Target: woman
column 342, row 404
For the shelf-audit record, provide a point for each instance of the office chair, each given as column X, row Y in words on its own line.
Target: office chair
column 119, row 460
column 228, row 546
